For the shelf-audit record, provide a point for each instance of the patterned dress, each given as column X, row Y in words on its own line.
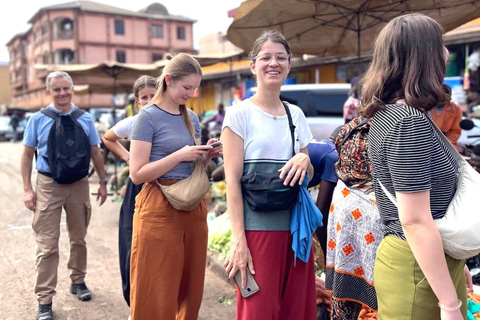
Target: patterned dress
column 354, row 233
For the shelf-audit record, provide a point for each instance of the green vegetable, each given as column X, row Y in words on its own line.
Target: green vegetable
column 220, row 235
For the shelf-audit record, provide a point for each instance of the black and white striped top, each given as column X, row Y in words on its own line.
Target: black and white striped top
column 407, row 155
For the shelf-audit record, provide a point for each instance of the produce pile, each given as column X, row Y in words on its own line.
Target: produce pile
column 473, row 306
column 220, row 235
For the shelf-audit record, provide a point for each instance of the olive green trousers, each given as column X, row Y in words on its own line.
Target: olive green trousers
column 403, row 292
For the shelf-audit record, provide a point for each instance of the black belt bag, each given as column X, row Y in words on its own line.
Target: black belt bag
column 265, row 191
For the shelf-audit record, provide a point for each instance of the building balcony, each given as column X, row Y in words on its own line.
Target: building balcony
column 19, row 84
column 64, row 35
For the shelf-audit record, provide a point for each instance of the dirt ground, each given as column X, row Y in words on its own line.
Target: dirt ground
column 17, row 259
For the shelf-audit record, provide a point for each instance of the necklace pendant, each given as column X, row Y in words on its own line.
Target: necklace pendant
column 274, row 117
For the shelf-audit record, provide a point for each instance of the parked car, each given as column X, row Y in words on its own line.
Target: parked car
column 6, row 131
column 321, row 103
column 104, row 116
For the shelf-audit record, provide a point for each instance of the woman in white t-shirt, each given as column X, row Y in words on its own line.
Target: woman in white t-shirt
column 144, row 89
column 256, row 137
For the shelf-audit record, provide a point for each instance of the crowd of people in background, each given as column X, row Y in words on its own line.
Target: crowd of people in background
column 379, row 255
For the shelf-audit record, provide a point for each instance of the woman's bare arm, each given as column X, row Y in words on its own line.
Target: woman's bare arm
column 426, row 244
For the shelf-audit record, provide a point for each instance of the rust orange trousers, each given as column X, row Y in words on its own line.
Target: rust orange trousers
column 169, row 249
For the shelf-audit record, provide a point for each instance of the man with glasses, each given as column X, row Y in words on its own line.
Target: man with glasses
column 50, row 197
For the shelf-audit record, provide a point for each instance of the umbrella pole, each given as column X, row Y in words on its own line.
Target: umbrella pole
column 359, row 34
column 115, row 179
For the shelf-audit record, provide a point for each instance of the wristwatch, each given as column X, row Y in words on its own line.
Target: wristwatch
column 103, row 182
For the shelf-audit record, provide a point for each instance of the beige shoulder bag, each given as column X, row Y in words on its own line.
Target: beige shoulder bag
column 186, row 194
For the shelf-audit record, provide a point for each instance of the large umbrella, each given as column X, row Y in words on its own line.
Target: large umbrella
column 83, row 89
column 337, row 27
column 111, row 69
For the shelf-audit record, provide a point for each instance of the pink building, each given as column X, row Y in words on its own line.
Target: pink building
column 86, row 32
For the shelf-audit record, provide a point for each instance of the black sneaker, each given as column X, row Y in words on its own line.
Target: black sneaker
column 45, row 312
column 81, row 290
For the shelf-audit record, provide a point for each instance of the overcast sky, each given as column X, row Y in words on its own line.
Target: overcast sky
column 211, row 15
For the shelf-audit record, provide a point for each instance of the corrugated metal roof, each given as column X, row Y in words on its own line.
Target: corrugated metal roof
column 18, row 35
column 468, row 32
column 106, row 9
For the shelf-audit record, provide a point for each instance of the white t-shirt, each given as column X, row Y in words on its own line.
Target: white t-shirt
column 267, row 145
column 123, row 129
column 266, row 138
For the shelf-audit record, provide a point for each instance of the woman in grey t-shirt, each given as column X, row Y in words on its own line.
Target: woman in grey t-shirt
column 168, row 246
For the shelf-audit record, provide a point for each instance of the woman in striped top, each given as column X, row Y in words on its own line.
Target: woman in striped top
column 414, row 279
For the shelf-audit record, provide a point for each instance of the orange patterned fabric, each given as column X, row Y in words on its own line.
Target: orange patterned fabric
column 331, row 244
column 369, row 238
column 348, row 249
column 356, row 214
column 354, row 233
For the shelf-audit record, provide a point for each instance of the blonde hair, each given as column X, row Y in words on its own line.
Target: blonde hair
column 179, row 66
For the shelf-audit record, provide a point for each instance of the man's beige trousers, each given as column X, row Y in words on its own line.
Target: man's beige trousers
column 51, row 199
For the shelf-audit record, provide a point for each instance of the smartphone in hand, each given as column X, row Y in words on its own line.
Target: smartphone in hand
column 252, row 286
column 216, row 144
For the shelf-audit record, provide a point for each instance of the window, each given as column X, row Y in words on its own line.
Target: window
column 181, row 33
column 46, row 58
column 157, row 31
column 45, row 29
column 63, row 56
column 119, row 27
column 121, row 56
column 66, row 25
column 157, row 56
column 68, row 56
column 66, row 29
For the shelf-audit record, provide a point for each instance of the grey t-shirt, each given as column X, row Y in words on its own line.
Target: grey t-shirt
column 167, row 133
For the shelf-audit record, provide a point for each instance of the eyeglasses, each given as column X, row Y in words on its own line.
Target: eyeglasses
column 267, row 58
column 58, row 90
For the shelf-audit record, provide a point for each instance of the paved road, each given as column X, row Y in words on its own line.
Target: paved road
column 17, row 259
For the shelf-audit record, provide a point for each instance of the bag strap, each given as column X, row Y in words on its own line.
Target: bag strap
column 49, row 113
column 77, row 113
column 447, row 143
column 291, row 125
column 54, row 115
column 354, row 129
column 388, row 194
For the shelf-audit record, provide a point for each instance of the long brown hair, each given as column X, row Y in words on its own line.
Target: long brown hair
column 408, row 63
column 179, row 66
column 139, row 84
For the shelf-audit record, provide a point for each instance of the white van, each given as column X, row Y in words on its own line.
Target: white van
column 321, row 103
